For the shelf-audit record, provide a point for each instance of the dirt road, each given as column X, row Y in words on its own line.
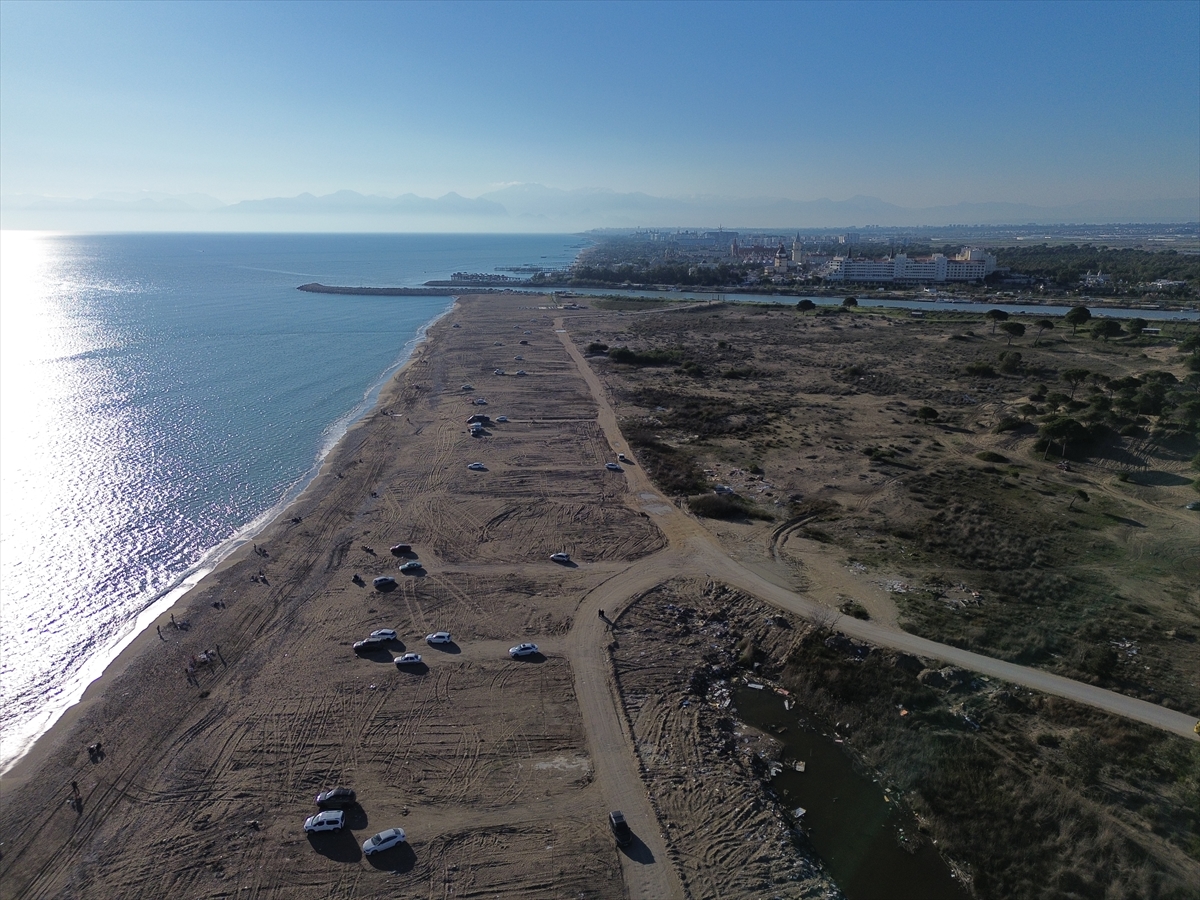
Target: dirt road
column 692, row 549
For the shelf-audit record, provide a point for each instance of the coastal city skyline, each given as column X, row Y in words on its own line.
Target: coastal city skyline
column 536, row 117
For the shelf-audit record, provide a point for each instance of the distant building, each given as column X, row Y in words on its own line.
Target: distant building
column 971, row 264
column 850, row 237
column 781, row 261
column 1097, row 280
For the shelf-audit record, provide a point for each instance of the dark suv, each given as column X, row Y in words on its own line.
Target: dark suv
column 338, row 798
column 620, row 828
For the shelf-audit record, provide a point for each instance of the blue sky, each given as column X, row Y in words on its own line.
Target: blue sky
column 919, row 104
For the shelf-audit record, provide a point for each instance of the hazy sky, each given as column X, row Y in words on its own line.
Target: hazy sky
column 917, row 103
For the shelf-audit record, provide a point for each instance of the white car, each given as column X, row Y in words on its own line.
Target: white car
column 621, row 457
column 439, row 637
column 613, row 467
column 501, row 418
column 479, row 401
column 467, row 387
column 522, row 650
column 385, row 840
column 329, row 820
column 560, row 557
column 529, row 332
column 519, row 358
column 383, row 634
column 477, row 467
column 522, row 372
column 497, row 371
column 409, row 659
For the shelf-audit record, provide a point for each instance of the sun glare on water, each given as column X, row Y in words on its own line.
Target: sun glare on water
column 57, row 463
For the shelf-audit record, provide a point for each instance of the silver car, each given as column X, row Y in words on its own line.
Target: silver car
column 385, row 840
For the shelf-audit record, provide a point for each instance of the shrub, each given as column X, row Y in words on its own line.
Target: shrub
column 990, row 456
column 714, row 506
column 595, row 348
column 981, row 369
column 1008, row 423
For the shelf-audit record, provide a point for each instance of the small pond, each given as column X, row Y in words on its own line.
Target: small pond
column 866, row 839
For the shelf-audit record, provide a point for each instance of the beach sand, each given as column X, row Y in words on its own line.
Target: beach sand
column 203, row 783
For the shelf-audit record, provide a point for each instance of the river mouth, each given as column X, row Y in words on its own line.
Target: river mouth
column 868, row 842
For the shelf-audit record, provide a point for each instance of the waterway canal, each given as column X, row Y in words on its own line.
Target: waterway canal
column 866, row 840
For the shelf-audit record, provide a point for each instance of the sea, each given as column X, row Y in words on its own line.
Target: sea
column 163, row 397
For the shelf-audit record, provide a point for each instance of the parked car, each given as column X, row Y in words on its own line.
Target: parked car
column 385, row 840
column 409, row 659
column 337, row 798
column 527, row 332
column 560, row 557
column 522, row 650
column 371, row 643
column 401, row 549
column 497, row 371
column 383, row 634
column 621, row 457
column 411, row 566
column 613, row 467
column 519, row 358
column 439, row 637
column 522, row 372
column 501, row 418
column 329, row 820
column 384, row 581
column 477, row 467
column 467, row 387
column 620, row 828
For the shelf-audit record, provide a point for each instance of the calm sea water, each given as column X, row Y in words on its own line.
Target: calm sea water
column 161, row 395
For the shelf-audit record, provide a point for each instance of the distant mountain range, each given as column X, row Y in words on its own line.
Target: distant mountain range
column 535, row 207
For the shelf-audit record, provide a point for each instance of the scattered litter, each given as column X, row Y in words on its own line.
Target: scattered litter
column 1128, row 647
column 895, row 587
column 799, row 812
column 798, row 765
column 755, row 685
column 775, row 769
column 858, row 568
column 904, row 712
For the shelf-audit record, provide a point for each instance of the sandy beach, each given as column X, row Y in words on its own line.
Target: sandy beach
column 203, row 779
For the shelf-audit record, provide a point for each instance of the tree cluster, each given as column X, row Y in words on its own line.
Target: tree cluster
column 1066, row 265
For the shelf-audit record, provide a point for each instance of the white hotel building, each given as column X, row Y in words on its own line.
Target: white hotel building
column 971, row 264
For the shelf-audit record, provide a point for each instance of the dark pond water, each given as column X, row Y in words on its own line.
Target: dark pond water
column 855, row 830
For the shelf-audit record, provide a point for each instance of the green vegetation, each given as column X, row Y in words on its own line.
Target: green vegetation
column 645, row 358
column 1038, row 796
column 658, row 273
column 1066, row 265
column 725, row 506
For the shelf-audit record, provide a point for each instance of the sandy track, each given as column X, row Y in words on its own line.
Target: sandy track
column 695, row 547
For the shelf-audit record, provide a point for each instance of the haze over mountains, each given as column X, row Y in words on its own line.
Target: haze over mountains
column 535, row 208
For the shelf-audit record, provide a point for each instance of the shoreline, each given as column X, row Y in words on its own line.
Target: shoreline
column 135, row 641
